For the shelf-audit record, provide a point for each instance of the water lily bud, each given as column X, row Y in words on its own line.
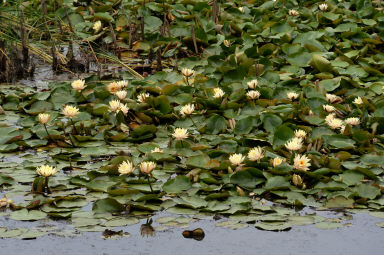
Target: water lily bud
column 240, row 191
column 292, row 95
column 227, row 43
column 293, row 13
column 121, row 94
column 142, row 97
column 297, row 181
column 187, row 109
column 126, row 167
column 180, row 133
column 236, row 159
column 78, row 85
column 358, row 101
column 46, row 170
column 241, row 9
column 147, row 167
column 353, row 121
column 294, row 144
column 187, row 72
column 323, row 7
column 277, row 161
column 301, row 162
column 44, row 118
column 97, row 26
column 253, row 94
column 232, row 123
column 300, row 133
column 114, row 105
column 218, row 93
column 70, row 111
column 255, row 154
column 252, row 84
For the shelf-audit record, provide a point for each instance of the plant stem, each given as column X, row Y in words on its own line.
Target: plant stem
column 82, row 95
column 190, row 116
column 149, row 183
column 46, row 130
column 73, row 123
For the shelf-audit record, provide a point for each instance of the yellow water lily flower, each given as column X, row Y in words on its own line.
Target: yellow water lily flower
column 301, row 162
column 46, row 170
column 126, row 167
column 70, row 111
column 44, row 118
column 180, row 133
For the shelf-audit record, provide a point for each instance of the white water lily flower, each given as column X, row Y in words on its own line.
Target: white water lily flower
column 358, row 100
column 256, row 154
column 277, row 161
column 142, row 97
column 187, row 72
column 46, row 170
column 353, row 121
column 252, row 84
column 147, row 167
column 78, row 85
column 342, row 128
column 292, row 95
column 301, row 162
column 122, row 83
column 335, row 123
column 44, row 118
column 121, row 94
column 329, row 108
column 157, row 149
column 70, row 111
column 218, row 93
column 294, row 144
column 293, row 13
column 300, row 133
column 113, row 87
column 323, row 7
column 114, row 105
column 124, row 108
column 180, row 133
column 187, row 110
column 332, row 98
column 126, row 167
column 97, row 26
column 236, row 159
column 329, row 117
column 241, row 9
column 253, row 94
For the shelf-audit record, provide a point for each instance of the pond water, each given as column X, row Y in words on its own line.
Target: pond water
column 361, row 235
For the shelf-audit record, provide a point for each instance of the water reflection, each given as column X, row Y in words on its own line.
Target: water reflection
column 146, row 229
column 197, row 234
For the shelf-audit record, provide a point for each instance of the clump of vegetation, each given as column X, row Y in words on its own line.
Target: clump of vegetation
column 223, row 106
